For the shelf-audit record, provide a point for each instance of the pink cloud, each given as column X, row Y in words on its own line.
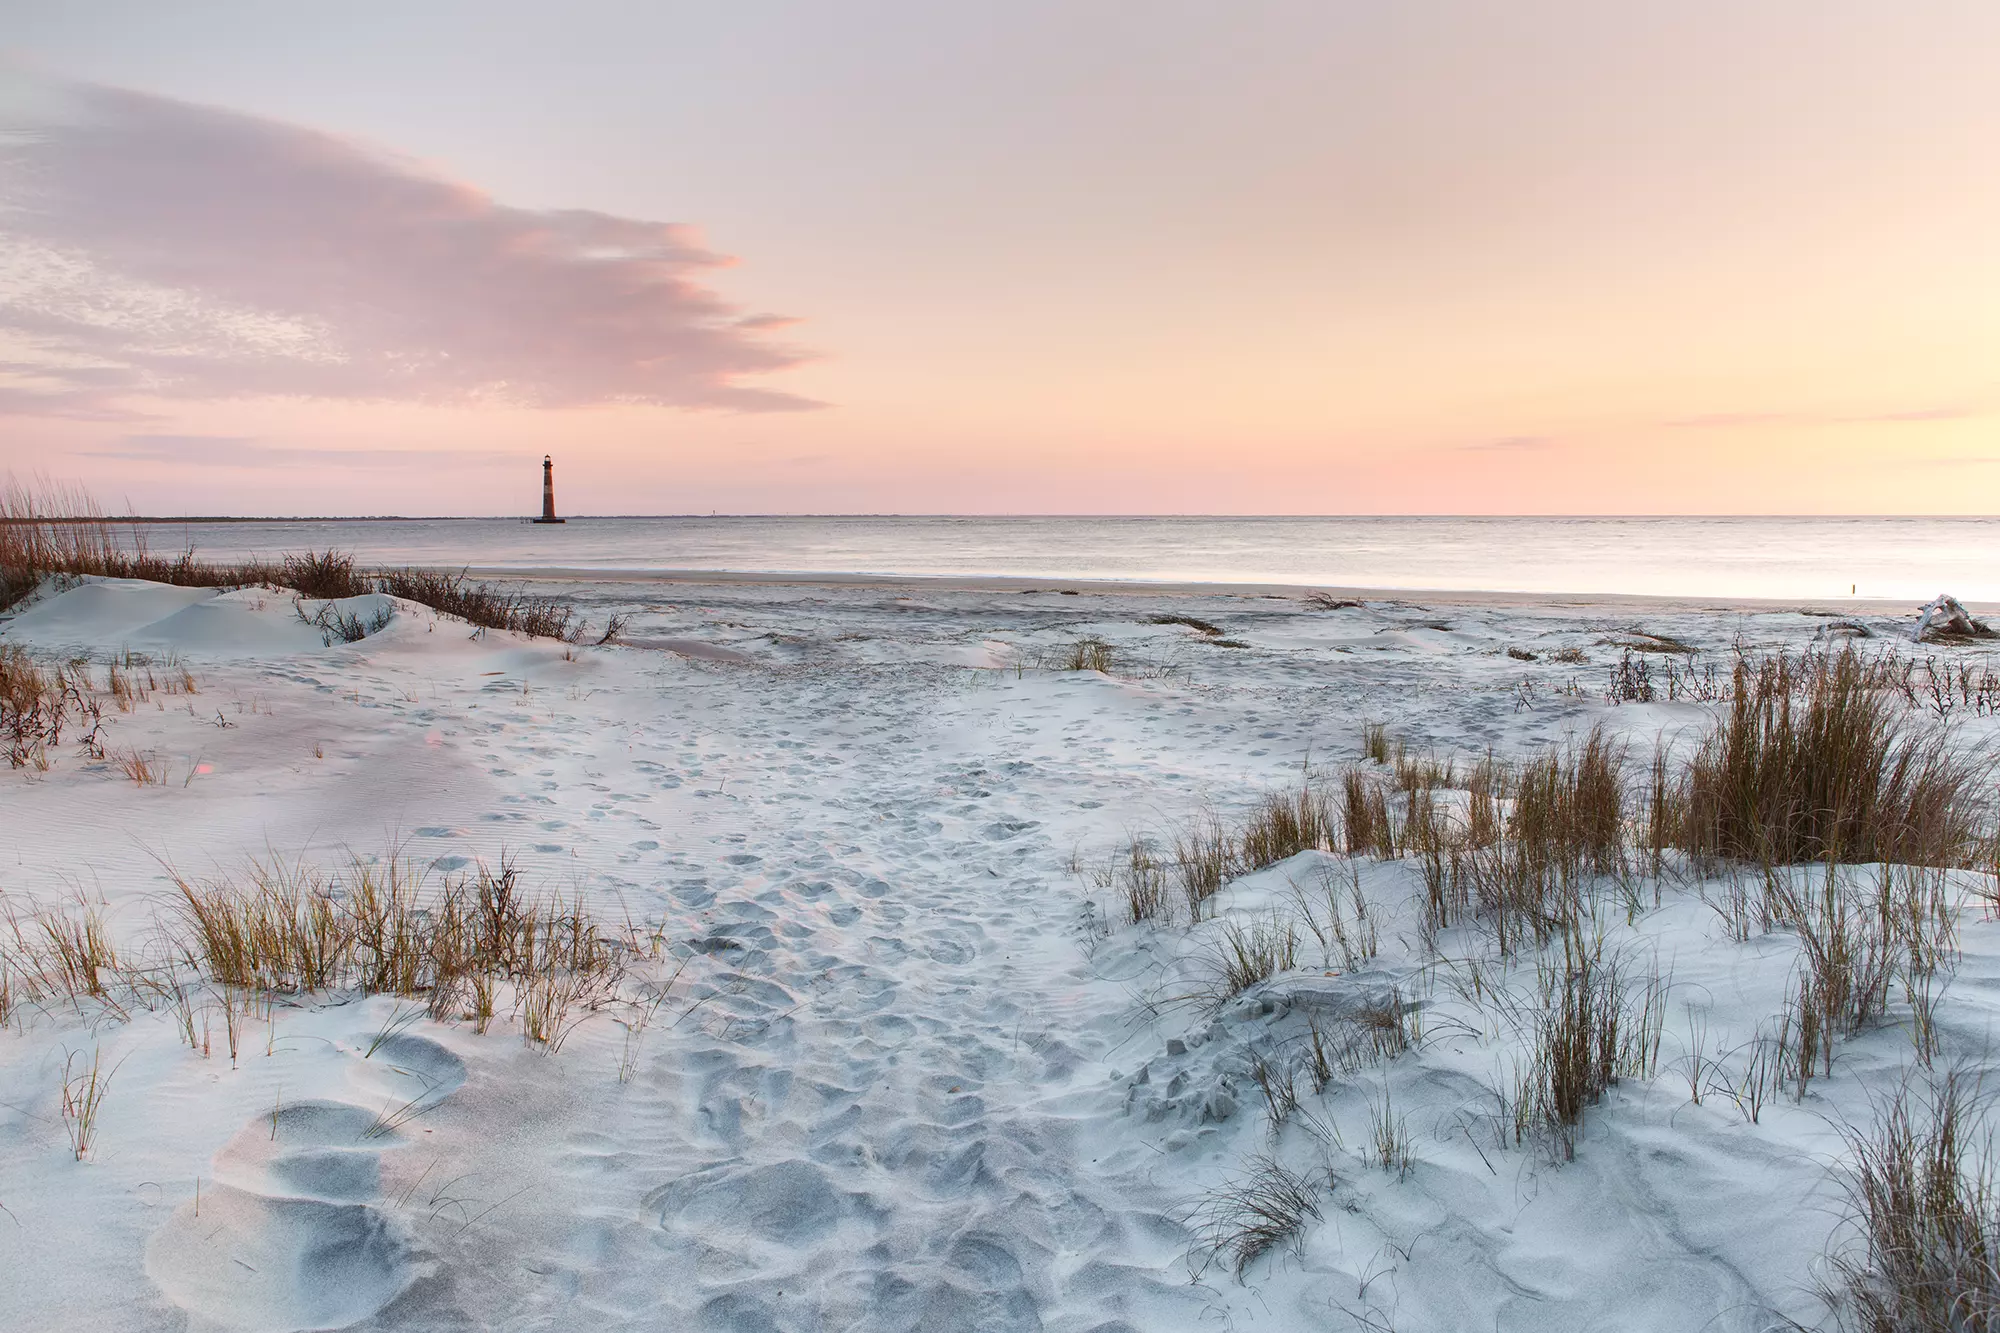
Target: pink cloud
column 182, row 251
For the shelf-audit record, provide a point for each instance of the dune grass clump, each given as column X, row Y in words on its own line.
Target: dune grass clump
column 1088, row 654
column 1926, row 1200
column 1247, row 1219
column 483, row 604
column 1591, row 1025
column 1366, row 826
column 1375, row 742
column 382, row 929
column 1204, row 859
column 1283, row 824
column 1246, row 955
column 322, row 575
column 1141, row 880
column 1525, row 875
column 50, row 529
column 1813, row 760
column 84, row 1087
column 50, row 954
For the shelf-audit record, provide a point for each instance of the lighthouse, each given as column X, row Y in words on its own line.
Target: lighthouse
column 548, row 491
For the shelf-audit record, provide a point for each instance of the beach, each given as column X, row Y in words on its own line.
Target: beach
column 887, row 1048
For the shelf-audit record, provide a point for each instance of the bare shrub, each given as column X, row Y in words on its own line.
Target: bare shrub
column 37, row 703
column 1199, row 626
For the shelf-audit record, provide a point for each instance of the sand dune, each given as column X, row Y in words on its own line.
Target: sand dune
column 915, row 1071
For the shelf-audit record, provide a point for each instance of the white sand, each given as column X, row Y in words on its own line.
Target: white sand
column 913, row 1078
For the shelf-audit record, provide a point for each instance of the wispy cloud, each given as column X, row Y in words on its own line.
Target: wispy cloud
column 152, row 246
column 240, row 451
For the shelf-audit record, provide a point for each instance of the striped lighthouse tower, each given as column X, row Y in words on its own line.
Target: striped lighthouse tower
column 548, row 492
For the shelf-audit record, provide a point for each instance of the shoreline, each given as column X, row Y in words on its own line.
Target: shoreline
column 1196, row 588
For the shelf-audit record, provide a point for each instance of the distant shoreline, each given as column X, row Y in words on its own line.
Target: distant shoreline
column 1019, row 584
column 163, row 519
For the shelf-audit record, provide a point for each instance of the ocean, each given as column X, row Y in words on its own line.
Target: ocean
column 1817, row 559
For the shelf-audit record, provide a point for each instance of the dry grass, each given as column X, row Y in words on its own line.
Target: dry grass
column 1244, row 955
column 84, row 1087
column 322, row 575
column 1248, row 1218
column 1140, row 880
column 1347, row 931
column 1087, row 655
column 37, row 703
column 486, row 606
column 1425, row 772
column 146, row 769
column 50, row 529
column 1814, row 760
column 1375, row 742
column 383, row 929
column 47, row 529
column 1364, row 817
column 1283, row 824
column 1927, row 1210
column 1526, row 875
column 1591, row 1026
column 1205, row 858
column 50, row 953
column 1389, row 1135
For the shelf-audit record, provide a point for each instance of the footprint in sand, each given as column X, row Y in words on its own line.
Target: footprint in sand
column 292, row 1234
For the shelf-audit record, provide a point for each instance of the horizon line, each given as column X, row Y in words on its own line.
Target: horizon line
column 888, row 514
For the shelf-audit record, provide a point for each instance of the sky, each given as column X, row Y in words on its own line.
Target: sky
column 1409, row 256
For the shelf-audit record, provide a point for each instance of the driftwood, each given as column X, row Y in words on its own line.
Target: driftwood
column 1946, row 617
column 1834, row 629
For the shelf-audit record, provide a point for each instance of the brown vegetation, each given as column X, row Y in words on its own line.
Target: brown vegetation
column 1814, row 761
column 379, row 930
column 53, row 530
column 1927, row 1209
